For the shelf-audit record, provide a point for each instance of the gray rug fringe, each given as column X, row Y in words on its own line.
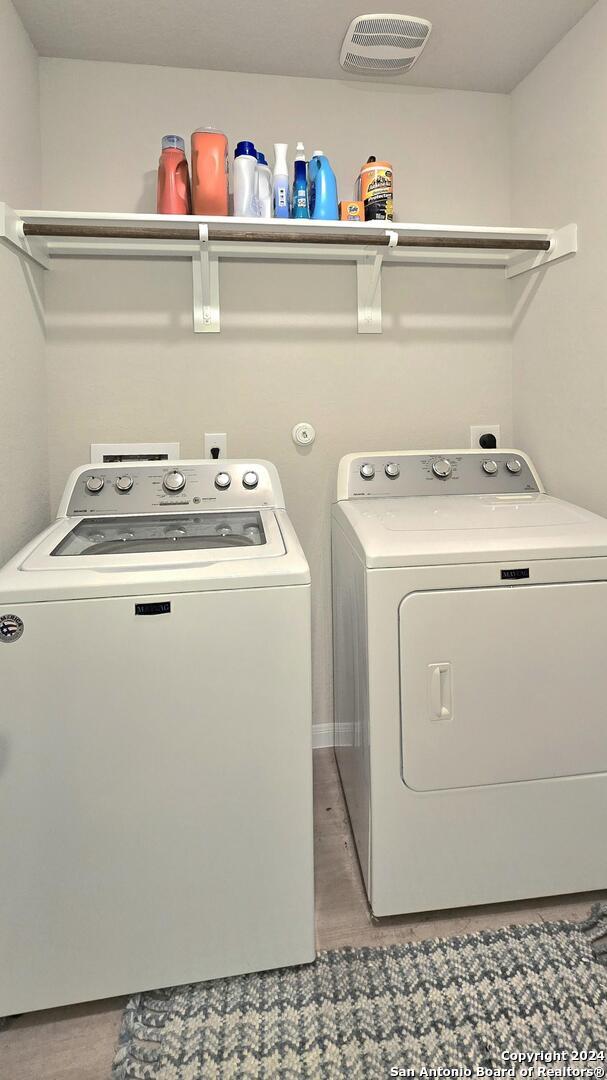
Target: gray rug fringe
column 142, row 1027
column 595, row 929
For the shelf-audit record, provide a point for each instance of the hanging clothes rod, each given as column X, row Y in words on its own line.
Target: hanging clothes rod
column 283, row 236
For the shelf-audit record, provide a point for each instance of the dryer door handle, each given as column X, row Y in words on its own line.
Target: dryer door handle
column 440, row 692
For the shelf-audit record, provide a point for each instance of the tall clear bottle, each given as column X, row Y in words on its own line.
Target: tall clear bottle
column 281, row 181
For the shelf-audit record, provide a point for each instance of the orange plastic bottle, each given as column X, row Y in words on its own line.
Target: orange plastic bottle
column 173, row 193
column 209, row 172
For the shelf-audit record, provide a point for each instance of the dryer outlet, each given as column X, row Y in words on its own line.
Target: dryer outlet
column 486, row 433
column 215, row 444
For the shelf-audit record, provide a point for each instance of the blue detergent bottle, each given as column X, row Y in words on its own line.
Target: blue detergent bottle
column 300, row 184
column 323, row 189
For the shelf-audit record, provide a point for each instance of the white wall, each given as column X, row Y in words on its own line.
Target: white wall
column 559, row 174
column 24, row 506
column 124, row 363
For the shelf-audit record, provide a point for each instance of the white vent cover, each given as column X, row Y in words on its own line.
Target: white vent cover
column 384, row 44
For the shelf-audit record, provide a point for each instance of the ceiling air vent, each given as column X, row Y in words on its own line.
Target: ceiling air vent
column 384, row 44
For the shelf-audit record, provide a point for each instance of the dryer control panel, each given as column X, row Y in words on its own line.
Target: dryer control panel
column 441, row 472
column 184, row 485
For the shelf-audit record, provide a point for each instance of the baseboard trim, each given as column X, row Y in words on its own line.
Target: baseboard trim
column 322, row 735
column 327, row 735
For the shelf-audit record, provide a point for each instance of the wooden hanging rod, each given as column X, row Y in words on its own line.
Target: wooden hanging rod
column 283, row 236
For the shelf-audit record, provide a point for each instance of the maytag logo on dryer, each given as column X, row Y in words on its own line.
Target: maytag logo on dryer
column 515, row 573
column 11, row 628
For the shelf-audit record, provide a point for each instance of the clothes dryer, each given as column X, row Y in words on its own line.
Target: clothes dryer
column 470, row 636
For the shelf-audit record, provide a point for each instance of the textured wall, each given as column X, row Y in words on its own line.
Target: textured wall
column 559, row 170
column 124, row 364
column 24, row 504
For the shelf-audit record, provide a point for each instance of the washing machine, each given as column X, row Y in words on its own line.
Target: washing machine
column 470, row 646
column 155, row 736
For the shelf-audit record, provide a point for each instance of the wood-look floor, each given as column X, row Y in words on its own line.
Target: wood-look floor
column 77, row 1043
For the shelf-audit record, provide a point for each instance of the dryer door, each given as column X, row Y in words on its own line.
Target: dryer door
column 503, row 684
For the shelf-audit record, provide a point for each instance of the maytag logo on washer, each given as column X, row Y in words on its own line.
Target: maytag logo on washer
column 11, row 628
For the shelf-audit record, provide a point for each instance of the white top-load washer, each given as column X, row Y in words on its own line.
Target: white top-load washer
column 470, row 642
column 155, row 736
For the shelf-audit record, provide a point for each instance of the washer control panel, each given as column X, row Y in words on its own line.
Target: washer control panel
column 449, row 472
column 151, row 487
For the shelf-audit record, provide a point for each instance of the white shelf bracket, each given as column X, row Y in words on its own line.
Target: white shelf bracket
column 12, row 234
column 205, row 286
column 562, row 242
column 368, row 279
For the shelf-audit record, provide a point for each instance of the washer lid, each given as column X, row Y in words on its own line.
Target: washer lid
column 154, row 565
column 158, row 540
column 470, row 528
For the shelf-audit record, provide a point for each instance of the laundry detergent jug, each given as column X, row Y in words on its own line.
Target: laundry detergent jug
column 323, row 189
column 209, row 172
column 173, row 191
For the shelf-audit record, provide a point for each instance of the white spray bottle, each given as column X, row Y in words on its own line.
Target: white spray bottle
column 281, row 181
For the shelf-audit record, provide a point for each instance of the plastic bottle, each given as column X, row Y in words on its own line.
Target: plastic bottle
column 281, row 181
column 375, row 187
column 323, row 189
column 173, row 191
column 245, row 178
column 209, row 172
column 300, row 184
column 264, row 187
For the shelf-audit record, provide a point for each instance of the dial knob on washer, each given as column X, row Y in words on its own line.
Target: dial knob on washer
column 223, row 480
column 95, row 484
column 250, row 480
column 173, row 481
column 123, row 483
column 442, row 468
column 392, row 470
column 490, row 467
column 367, row 471
column 513, row 466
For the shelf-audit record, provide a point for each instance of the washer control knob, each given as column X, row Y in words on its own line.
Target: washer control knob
column 123, row 483
column 173, row 481
column 250, row 480
column 513, row 466
column 442, row 468
column 392, row 470
column 367, row 471
column 490, row 467
column 95, row 484
column 223, row 481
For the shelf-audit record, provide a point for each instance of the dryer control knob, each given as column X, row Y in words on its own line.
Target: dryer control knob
column 173, row 481
column 513, row 466
column 490, row 467
column 367, row 471
column 223, row 480
column 250, row 480
column 392, row 470
column 95, row 484
column 123, row 483
column 442, row 468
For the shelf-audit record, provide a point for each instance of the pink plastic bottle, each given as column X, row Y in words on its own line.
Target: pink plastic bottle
column 210, row 172
column 173, row 196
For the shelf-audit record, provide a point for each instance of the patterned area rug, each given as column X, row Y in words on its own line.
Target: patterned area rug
column 358, row 1013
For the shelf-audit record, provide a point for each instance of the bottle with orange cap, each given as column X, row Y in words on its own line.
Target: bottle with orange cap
column 375, row 188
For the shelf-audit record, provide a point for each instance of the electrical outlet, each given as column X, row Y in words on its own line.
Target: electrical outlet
column 478, row 430
column 215, row 444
